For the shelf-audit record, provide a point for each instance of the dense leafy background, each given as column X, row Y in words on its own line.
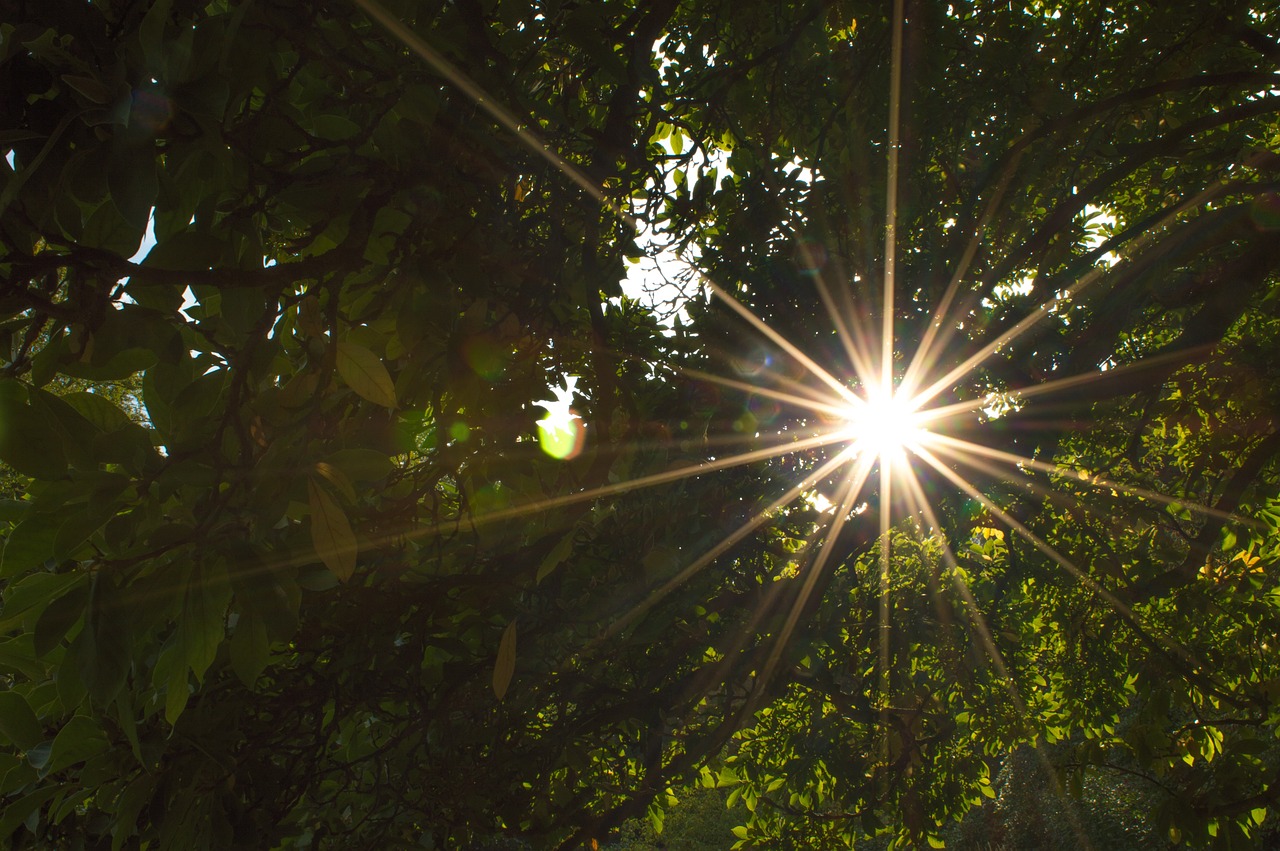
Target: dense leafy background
column 251, row 598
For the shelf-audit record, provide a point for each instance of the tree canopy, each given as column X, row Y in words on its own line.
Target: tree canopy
column 365, row 509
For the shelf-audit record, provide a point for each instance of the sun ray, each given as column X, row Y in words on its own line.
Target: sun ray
column 1056, row 385
column 957, row 448
column 835, row 409
column 859, row 358
column 891, row 197
column 1047, row 308
column 938, row 331
column 1163, row 645
column 491, row 105
column 782, row 342
column 728, row 542
column 855, row 478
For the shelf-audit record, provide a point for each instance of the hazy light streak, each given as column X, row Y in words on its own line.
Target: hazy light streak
column 891, row 197
column 854, row 479
column 861, row 362
column 730, row 540
column 918, row 498
column 937, row 329
column 688, row 471
column 477, row 520
column 957, row 448
column 783, row 343
column 1058, row 384
column 496, row 110
column 983, row 629
column 818, row 407
column 1046, row 309
column 1053, row 555
column 886, row 679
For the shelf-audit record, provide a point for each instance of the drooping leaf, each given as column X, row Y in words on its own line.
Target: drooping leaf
column 561, row 551
column 249, row 647
column 504, row 667
column 331, row 533
column 338, row 479
column 18, row 723
column 79, row 739
column 366, row 374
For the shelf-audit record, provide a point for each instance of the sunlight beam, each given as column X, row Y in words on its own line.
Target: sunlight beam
column 858, row 357
column 834, row 409
column 939, row 331
column 1069, row 382
column 1047, row 308
column 855, row 478
column 728, row 542
column 891, row 197
column 786, row 345
column 1157, row 642
column 491, row 105
column 958, row 448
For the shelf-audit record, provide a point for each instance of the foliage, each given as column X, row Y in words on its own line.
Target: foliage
column 325, row 590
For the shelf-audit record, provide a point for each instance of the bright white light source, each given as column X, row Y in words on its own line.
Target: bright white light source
column 884, row 425
column 561, row 432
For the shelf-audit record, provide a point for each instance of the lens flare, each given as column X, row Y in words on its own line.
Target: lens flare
column 885, row 424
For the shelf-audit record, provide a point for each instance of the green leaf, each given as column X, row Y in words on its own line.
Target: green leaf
column 561, row 551
column 365, row 373
column 127, row 807
column 505, row 665
column 18, row 724
column 338, row 479
column 335, row 127
column 362, row 465
column 151, row 35
column 34, row 592
column 21, row 810
column 98, row 410
column 202, row 626
column 177, row 693
column 249, row 647
column 331, row 533
column 58, row 618
column 80, row 739
column 29, row 441
column 31, row 543
column 90, row 87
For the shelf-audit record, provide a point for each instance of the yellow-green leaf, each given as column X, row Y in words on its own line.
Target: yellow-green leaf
column 558, row 554
column 338, row 479
column 331, row 533
column 365, row 373
column 506, row 664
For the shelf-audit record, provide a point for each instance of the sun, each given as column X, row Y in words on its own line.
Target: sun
column 884, row 424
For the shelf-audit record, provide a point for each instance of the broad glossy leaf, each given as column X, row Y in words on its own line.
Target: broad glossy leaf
column 58, row 618
column 331, row 533
column 249, row 647
column 79, row 739
column 34, row 592
column 365, row 373
column 338, row 479
column 505, row 665
column 29, row 441
column 18, row 723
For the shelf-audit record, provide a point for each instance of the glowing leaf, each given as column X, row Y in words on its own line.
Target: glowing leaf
column 505, row 666
column 331, row 533
column 364, row 373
